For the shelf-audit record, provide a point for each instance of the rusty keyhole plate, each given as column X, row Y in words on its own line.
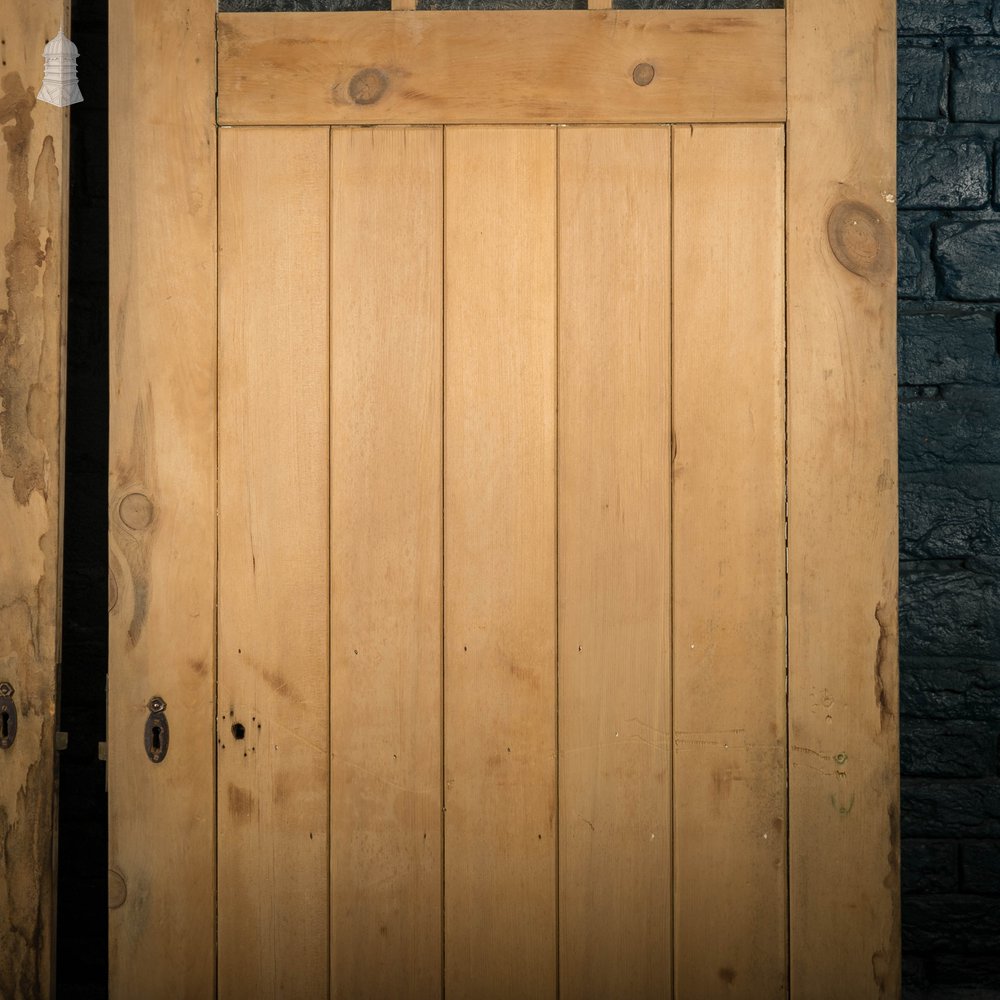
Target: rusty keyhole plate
column 8, row 716
column 157, row 734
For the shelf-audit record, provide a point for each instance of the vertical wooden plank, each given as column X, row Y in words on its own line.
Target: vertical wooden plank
column 385, row 461
column 614, row 561
column 843, row 551
column 499, row 544
column 162, row 495
column 729, row 562
column 33, row 231
column 273, row 768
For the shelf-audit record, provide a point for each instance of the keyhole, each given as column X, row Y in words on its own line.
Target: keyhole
column 4, row 719
column 156, row 739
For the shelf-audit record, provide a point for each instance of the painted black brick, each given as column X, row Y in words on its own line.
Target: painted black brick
column 922, row 72
column 953, row 424
column 948, row 513
column 975, row 94
column 930, row 866
column 939, row 688
column 960, row 749
column 916, row 269
column 981, row 867
column 979, row 972
column 951, row 810
column 944, row 173
column 951, row 922
column 968, row 259
column 949, row 345
column 951, row 611
column 944, row 17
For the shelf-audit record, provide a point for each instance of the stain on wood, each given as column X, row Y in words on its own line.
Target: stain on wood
column 34, row 189
column 32, row 330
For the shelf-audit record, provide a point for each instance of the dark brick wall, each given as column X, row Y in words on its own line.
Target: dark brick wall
column 949, row 420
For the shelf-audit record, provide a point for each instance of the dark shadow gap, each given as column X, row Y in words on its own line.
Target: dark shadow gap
column 82, row 914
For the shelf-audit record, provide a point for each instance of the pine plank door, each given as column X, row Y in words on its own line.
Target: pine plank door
column 503, row 504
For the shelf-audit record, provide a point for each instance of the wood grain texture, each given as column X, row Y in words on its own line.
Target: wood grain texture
column 729, row 562
column 385, row 468
column 842, row 500
column 499, row 556
column 273, row 783
column 162, row 456
column 440, row 67
column 614, row 562
column 33, row 232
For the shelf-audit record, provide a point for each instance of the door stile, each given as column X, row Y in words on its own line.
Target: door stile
column 842, row 500
column 162, row 496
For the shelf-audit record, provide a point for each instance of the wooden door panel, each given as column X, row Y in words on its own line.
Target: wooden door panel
column 273, row 698
column 729, row 562
column 614, row 562
column 385, row 557
column 502, row 506
column 499, row 559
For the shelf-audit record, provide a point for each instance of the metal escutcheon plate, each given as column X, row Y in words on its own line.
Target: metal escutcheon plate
column 157, row 733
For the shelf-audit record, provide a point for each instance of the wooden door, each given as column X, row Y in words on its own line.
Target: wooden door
column 512, row 553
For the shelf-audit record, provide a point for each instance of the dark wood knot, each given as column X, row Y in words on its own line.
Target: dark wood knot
column 136, row 511
column 367, row 86
column 860, row 239
column 643, row 75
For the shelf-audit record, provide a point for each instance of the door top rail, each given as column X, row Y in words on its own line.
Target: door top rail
column 492, row 67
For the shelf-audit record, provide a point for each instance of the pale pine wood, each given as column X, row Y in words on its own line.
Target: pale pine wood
column 729, row 562
column 614, row 562
column 385, row 468
column 842, row 500
column 273, row 784
column 449, row 67
column 162, row 495
column 33, row 231
column 404, row 4
column 499, row 556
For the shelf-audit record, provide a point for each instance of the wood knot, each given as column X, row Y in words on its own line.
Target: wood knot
column 136, row 511
column 117, row 889
column 643, row 75
column 367, row 86
column 860, row 240
column 112, row 591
